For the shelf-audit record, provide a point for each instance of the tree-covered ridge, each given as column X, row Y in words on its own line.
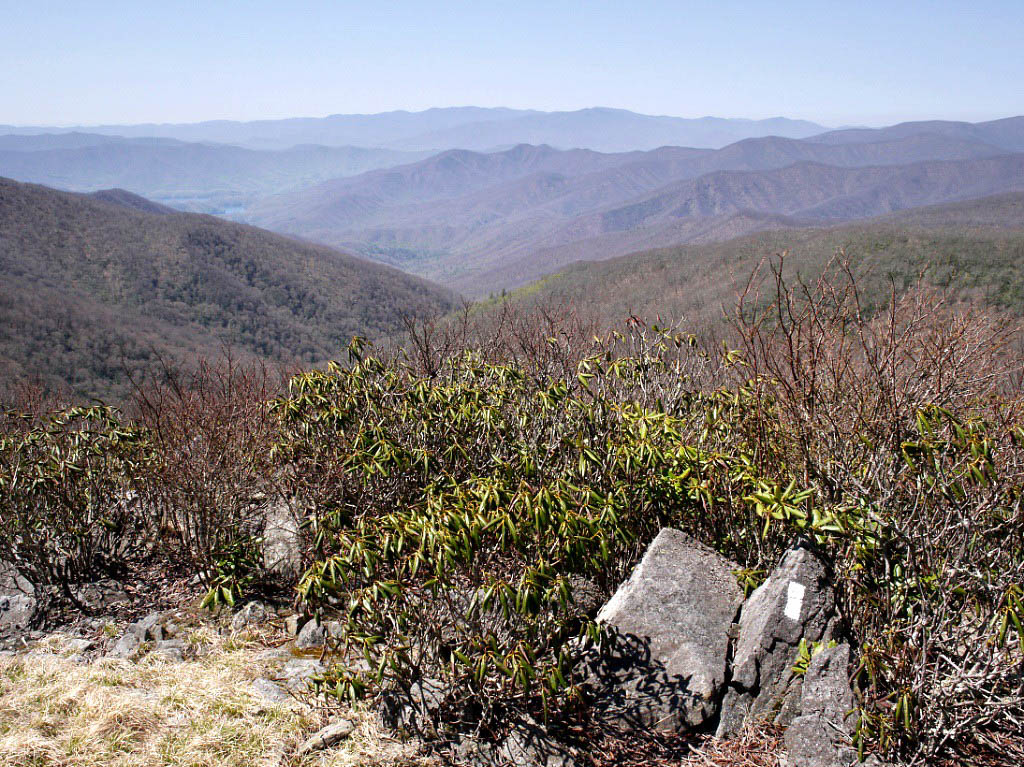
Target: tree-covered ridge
column 91, row 287
column 975, row 249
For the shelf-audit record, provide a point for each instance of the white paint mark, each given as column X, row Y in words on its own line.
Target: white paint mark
column 794, row 600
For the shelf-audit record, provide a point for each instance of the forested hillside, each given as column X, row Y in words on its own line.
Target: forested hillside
column 91, row 289
column 974, row 248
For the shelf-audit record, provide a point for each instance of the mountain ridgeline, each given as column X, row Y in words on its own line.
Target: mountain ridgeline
column 486, row 222
column 97, row 287
column 482, row 129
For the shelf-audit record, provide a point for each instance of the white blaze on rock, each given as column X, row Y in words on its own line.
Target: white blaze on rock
column 794, row 600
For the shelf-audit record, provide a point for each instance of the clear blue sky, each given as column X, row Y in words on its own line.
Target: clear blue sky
column 855, row 61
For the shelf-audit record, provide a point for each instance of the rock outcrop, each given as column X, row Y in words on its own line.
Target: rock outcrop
column 252, row 614
column 821, row 735
column 672, row 620
column 679, row 661
column 795, row 603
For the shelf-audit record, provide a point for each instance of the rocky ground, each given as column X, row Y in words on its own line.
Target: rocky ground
column 180, row 685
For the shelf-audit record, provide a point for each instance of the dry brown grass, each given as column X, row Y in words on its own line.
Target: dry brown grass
column 57, row 712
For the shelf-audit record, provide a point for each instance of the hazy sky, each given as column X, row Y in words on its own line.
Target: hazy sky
column 854, row 61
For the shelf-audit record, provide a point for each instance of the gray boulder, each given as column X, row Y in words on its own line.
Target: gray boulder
column 821, row 735
column 147, row 628
column 312, row 636
column 269, row 690
column 78, row 645
column 297, row 674
column 795, row 603
column 274, row 654
column 13, row 583
column 101, row 596
column 282, row 541
column 671, row 621
column 16, row 613
column 252, row 614
column 826, row 688
column 170, row 650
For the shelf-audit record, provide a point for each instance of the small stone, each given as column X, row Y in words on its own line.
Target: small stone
column 291, row 625
column 170, row 650
column 128, row 647
column 268, row 690
column 147, row 628
column 251, row 614
column 328, row 737
column 274, row 654
column 312, row 636
column 78, row 645
column 297, row 674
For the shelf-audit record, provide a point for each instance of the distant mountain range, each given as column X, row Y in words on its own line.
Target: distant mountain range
column 487, row 221
column 214, row 178
column 974, row 249
column 92, row 286
column 481, row 129
column 1007, row 133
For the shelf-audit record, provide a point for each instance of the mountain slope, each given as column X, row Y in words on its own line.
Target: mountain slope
column 522, row 213
column 976, row 248
column 732, row 203
column 89, row 286
column 364, row 199
column 204, row 176
column 126, row 199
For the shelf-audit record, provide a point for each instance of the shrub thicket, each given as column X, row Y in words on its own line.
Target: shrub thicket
column 209, row 483
column 69, row 515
